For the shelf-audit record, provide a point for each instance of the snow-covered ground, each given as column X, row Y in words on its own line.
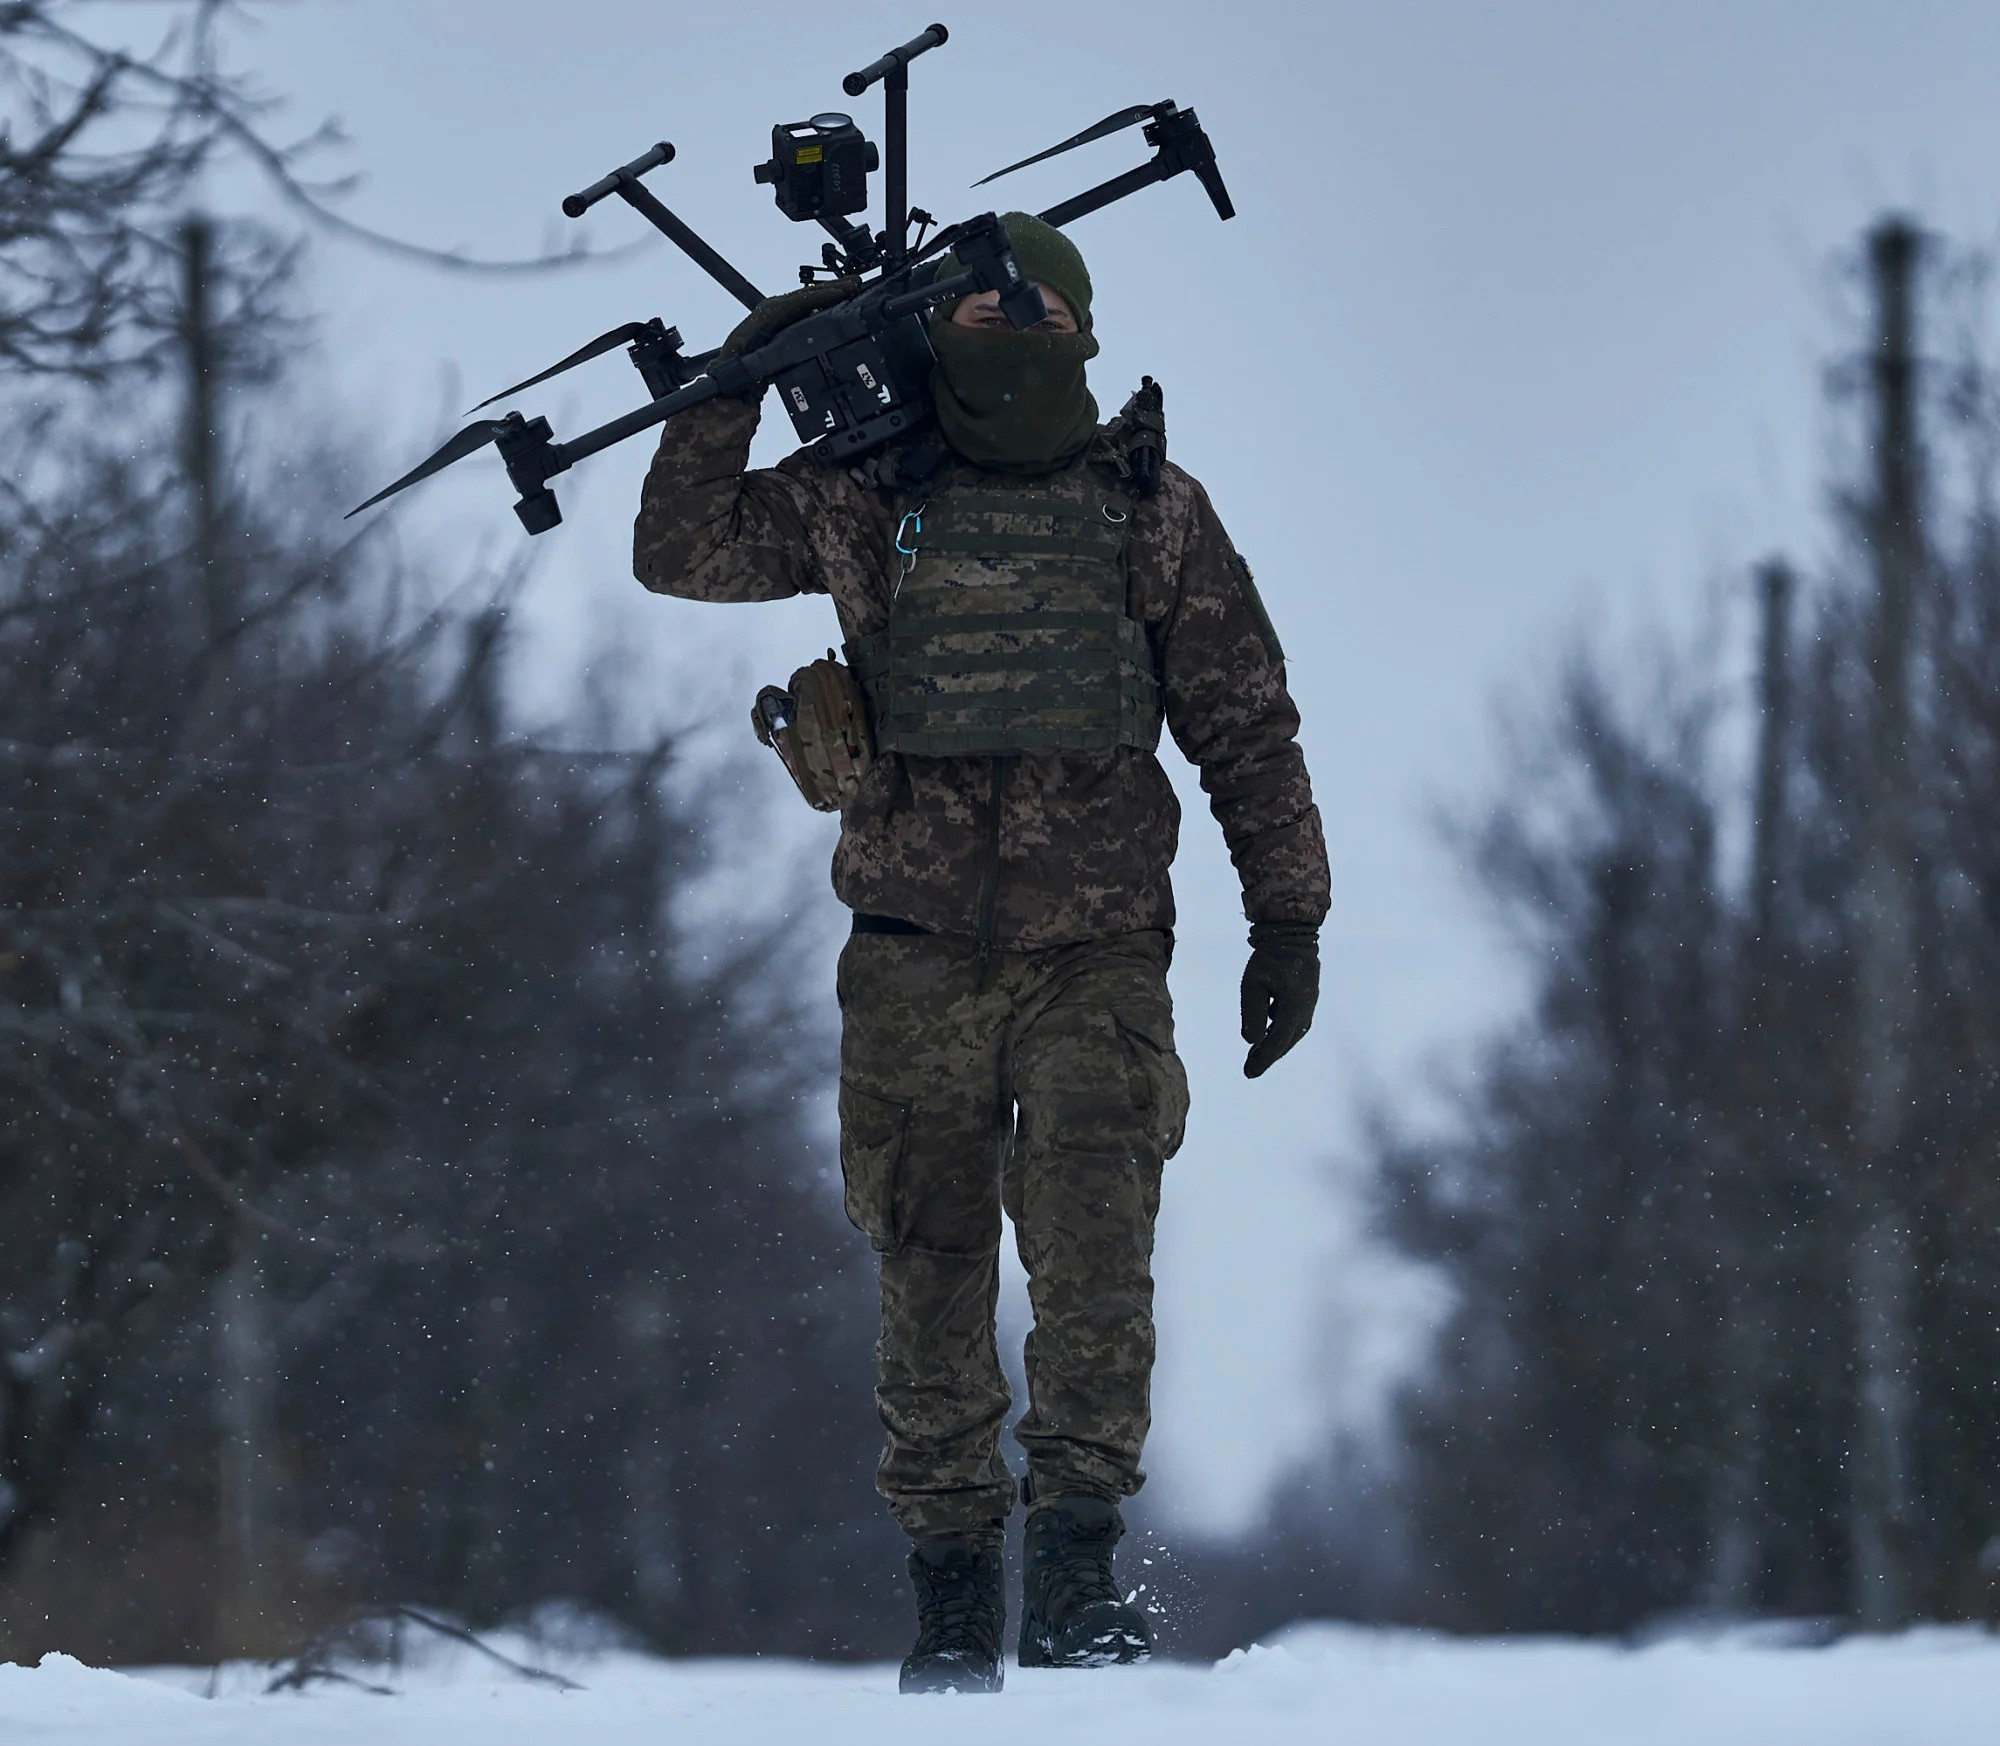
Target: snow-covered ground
column 1328, row 1685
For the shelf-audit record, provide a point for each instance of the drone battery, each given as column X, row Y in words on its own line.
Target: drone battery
column 854, row 387
column 863, row 372
column 812, row 401
column 819, row 168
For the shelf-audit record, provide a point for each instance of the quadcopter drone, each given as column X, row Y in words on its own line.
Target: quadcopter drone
column 853, row 377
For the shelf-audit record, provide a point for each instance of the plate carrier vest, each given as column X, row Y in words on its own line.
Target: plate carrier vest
column 1007, row 625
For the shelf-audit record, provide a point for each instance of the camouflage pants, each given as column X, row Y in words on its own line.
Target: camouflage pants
column 1054, row 1090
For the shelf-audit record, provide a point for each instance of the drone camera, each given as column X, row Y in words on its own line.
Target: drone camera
column 819, row 168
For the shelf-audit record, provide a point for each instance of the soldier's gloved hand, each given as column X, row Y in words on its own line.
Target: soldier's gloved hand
column 775, row 314
column 1280, row 990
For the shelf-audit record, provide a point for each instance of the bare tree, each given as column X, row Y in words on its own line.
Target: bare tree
column 1726, row 1334
column 103, row 150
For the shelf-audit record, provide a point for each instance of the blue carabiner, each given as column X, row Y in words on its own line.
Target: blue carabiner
column 909, row 553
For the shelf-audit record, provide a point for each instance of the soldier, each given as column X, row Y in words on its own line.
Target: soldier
column 1025, row 597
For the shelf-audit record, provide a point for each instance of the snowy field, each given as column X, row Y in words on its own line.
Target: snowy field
column 1331, row 1686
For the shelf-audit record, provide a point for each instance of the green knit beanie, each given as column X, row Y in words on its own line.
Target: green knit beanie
column 1047, row 257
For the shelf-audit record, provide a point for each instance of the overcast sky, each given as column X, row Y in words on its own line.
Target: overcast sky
column 1519, row 330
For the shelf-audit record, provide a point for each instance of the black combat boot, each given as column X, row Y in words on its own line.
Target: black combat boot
column 1072, row 1614
column 961, row 1617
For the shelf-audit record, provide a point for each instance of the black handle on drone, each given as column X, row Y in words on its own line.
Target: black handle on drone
column 576, row 205
column 895, row 60
column 893, row 69
column 624, row 182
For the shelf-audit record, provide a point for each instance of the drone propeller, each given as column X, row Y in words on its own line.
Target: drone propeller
column 605, row 342
column 1101, row 130
column 469, row 441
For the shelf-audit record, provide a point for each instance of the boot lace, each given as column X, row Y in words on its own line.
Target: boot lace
column 1075, row 1570
column 955, row 1612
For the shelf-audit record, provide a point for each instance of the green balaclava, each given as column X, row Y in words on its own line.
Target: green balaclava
column 1017, row 401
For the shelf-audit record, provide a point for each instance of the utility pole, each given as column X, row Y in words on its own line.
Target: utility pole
column 249, row 1489
column 1774, row 698
column 1882, row 1273
column 1759, row 1155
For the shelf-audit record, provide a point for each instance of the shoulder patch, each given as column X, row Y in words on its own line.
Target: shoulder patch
column 1267, row 632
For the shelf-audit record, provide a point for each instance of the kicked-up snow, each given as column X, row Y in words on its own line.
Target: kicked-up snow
column 1332, row 1686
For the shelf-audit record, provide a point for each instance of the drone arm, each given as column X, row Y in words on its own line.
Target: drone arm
column 642, row 199
column 896, row 142
column 1078, row 205
column 624, row 182
column 893, row 69
column 1180, row 144
column 702, row 388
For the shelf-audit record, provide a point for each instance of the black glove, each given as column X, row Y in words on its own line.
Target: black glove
column 1280, row 990
column 775, row 314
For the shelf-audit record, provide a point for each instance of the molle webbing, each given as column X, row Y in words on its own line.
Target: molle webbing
column 1009, row 633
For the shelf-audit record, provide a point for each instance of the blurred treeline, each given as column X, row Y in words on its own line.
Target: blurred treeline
column 395, row 1203
column 401, row 1202
column 1722, row 1213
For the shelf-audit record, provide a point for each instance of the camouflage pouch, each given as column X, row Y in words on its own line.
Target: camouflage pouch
column 819, row 729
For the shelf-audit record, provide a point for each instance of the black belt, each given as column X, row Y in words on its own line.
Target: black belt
column 885, row 924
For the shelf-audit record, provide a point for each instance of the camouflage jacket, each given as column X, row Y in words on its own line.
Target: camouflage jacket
column 1084, row 840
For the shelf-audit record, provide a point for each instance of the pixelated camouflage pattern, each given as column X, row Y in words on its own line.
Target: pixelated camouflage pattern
column 1007, row 628
column 1086, row 839
column 1050, row 1086
column 825, row 747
